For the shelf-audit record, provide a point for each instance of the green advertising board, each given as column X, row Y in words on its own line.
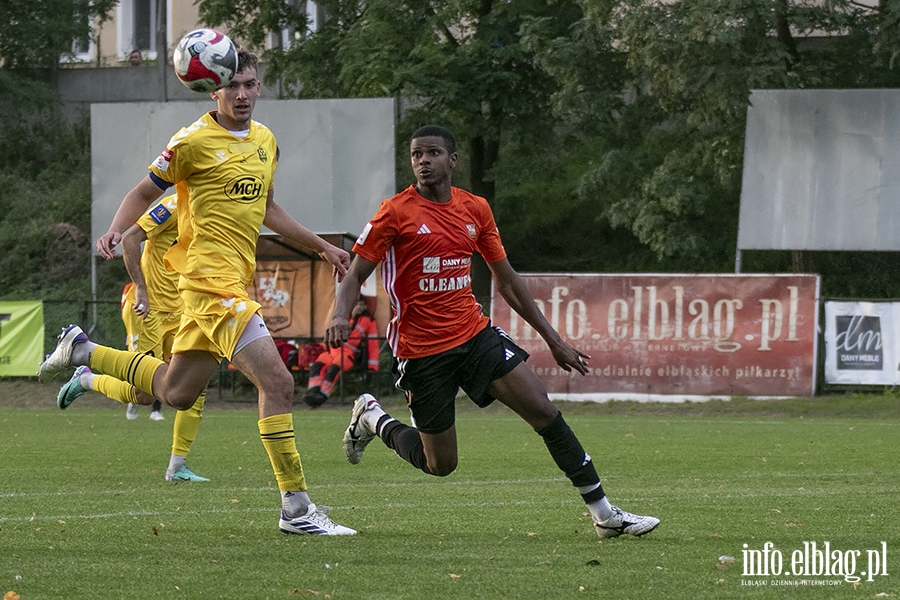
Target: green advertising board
column 21, row 338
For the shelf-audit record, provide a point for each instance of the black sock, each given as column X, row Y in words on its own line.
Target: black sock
column 404, row 440
column 571, row 458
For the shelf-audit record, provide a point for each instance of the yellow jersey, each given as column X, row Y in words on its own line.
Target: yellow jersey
column 222, row 184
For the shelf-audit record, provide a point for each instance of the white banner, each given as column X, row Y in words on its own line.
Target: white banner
column 862, row 343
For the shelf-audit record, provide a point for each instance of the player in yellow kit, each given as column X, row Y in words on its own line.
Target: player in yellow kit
column 222, row 166
column 151, row 310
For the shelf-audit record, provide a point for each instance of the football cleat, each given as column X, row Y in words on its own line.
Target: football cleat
column 72, row 389
column 131, row 413
column 624, row 522
column 358, row 436
column 156, row 416
column 183, row 473
column 61, row 357
column 315, row 522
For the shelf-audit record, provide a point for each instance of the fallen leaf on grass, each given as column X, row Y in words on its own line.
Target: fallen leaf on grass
column 10, row 595
column 592, row 563
column 234, row 500
column 155, row 532
column 455, row 576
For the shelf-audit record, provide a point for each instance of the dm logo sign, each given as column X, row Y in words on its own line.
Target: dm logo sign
column 245, row 189
column 858, row 343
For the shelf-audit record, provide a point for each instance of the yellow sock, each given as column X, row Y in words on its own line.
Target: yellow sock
column 277, row 435
column 118, row 390
column 187, row 422
column 136, row 369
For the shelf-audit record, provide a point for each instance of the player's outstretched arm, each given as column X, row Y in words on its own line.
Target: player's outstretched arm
column 348, row 293
column 281, row 222
column 134, row 204
column 513, row 289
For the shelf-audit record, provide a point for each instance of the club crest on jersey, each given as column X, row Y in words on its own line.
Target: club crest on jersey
column 163, row 160
column 470, row 229
column 160, row 214
column 263, row 157
column 431, row 264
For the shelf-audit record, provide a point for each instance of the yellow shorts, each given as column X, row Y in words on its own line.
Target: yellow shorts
column 216, row 311
column 153, row 335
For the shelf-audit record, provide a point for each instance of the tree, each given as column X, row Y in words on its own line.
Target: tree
column 671, row 173
column 608, row 134
column 37, row 33
column 460, row 61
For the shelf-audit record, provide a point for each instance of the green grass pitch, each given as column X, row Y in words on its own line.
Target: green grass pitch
column 85, row 511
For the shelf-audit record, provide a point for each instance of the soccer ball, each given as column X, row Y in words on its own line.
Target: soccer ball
column 205, row 60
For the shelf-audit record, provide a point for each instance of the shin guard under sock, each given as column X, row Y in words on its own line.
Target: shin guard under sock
column 137, row 369
column 187, row 423
column 277, row 435
column 405, row 441
column 571, row 458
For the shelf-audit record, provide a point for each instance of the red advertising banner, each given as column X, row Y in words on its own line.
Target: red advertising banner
column 670, row 336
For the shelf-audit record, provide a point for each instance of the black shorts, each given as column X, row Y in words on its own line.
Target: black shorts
column 431, row 383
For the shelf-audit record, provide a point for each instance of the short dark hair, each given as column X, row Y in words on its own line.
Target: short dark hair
column 436, row 131
column 247, row 60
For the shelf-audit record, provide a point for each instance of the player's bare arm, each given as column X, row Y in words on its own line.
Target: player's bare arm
column 131, row 253
column 515, row 292
column 134, row 204
column 347, row 295
column 281, row 222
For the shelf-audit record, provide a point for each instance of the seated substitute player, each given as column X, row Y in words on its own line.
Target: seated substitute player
column 362, row 344
column 223, row 167
column 151, row 310
column 425, row 237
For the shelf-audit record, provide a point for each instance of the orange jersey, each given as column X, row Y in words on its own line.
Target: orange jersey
column 426, row 252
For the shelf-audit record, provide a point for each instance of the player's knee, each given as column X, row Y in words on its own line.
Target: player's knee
column 278, row 385
column 182, row 402
column 443, row 467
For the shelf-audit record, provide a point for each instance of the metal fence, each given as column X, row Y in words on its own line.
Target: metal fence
column 101, row 319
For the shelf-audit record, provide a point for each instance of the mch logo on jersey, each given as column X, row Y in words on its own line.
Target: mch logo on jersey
column 245, row 189
column 431, row 264
column 163, row 161
column 160, row 214
column 470, row 229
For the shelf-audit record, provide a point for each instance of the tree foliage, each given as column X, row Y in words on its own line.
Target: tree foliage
column 37, row 33
column 608, row 134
